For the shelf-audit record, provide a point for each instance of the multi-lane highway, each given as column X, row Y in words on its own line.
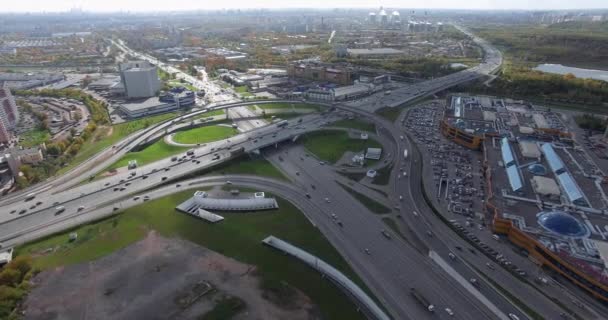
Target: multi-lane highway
column 389, row 266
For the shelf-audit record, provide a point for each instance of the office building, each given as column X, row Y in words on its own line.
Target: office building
column 168, row 102
column 140, row 79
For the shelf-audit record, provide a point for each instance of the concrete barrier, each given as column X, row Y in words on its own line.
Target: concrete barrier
column 370, row 307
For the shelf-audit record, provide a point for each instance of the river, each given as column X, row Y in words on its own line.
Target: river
column 578, row 72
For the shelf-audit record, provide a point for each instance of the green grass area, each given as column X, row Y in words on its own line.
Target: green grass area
column 241, row 89
column 212, row 114
column 393, row 225
column 239, row 236
column 226, row 308
column 330, row 145
column 186, row 85
column 355, row 124
column 106, row 136
column 204, row 134
column 389, row 113
column 383, row 176
column 355, row 176
column 243, row 165
column 373, row 205
column 34, row 137
column 151, row 153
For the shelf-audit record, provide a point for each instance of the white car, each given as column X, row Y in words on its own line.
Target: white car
column 449, row 311
column 513, row 317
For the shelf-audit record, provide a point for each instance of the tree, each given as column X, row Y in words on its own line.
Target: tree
column 10, row 277
column 21, row 263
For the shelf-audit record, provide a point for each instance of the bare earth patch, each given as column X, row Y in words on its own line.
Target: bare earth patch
column 156, row 278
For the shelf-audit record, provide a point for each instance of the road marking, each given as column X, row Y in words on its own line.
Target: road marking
column 462, row 281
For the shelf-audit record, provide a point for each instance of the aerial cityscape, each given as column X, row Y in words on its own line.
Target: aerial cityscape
column 305, row 160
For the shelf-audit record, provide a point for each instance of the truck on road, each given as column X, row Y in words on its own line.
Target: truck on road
column 422, row 300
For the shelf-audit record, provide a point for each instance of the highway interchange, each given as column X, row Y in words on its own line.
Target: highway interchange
column 388, row 266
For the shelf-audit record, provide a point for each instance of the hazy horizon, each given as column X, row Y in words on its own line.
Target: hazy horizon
column 181, row 5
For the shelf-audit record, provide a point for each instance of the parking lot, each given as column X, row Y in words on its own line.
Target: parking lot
column 457, row 172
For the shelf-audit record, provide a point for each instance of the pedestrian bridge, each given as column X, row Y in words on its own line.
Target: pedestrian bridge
column 201, row 200
column 371, row 309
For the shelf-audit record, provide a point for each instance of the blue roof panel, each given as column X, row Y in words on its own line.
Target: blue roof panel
column 569, row 185
column 458, row 111
column 514, row 178
column 507, row 154
column 555, row 162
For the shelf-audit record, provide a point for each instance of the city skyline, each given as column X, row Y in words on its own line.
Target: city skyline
column 156, row 5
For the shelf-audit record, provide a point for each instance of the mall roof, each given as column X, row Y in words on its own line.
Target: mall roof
column 514, row 178
column 570, row 187
column 507, row 154
column 556, row 164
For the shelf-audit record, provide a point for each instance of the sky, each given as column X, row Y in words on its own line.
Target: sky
column 178, row 5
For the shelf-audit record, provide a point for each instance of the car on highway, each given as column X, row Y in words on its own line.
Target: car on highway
column 163, row 178
column 80, row 208
column 367, row 251
column 513, row 317
column 135, row 198
column 385, row 234
column 449, row 312
column 59, row 210
column 490, row 266
column 22, row 211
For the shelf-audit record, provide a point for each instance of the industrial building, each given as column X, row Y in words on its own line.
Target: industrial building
column 140, row 79
column 321, row 73
column 542, row 190
column 374, row 53
column 22, row 81
column 340, row 93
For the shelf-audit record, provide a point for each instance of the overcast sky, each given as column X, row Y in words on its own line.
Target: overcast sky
column 173, row 5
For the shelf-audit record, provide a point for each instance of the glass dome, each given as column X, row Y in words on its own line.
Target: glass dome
column 563, row 224
column 537, row 169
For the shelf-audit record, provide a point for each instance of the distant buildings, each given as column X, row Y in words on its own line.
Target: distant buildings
column 20, row 81
column 374, row 53
column 351, row 92
column 315, row 72
column 384, row 19
column 9, row 115
column 140, row 79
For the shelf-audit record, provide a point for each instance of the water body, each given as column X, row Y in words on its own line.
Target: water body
column 578, row 72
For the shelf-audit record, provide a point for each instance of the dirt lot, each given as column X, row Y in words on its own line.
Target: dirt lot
column 155, row 278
